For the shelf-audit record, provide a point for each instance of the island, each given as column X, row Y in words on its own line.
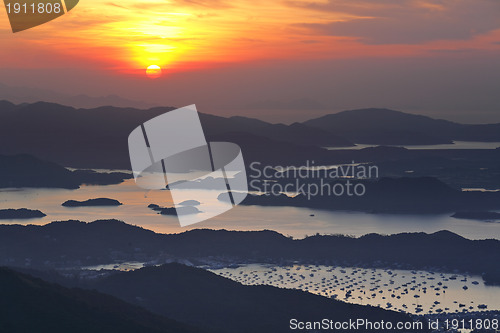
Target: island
column 478, row 215
column 22, row 213
column 92, row 202
column 174, row 211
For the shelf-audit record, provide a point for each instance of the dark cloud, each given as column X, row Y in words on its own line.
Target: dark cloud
column 407, row 21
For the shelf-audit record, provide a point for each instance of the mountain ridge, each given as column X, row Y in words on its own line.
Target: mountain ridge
column 391, row 127
column 97, row 138
column 75, row 244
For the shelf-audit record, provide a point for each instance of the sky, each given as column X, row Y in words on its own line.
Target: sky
column 279, row 60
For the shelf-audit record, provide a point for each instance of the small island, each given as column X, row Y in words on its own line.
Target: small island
column 479, row 215
column 174, row 211
column 92, row 202
column 22, row 213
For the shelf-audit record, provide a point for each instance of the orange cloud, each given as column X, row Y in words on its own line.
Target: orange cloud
column 129, row 35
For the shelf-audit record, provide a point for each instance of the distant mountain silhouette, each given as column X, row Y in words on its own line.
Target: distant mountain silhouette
column 29, row 171
column 296, row 133
column 73, row 244
column 31, row 305
column 21, row 95
column 389, row 127
column 98, row 137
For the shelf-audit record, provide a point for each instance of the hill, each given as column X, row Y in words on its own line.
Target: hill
column 413, row 195
column 71, row 244
column 389, row 127
column 97, row 138
column 21, row 95
column 386, row 127
column 295, row 133
column 31, row 305
column 204, row 299
column 28, row 171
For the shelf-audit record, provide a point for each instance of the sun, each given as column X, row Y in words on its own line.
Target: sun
column 153, row 71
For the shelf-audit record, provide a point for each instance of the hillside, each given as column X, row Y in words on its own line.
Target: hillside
column 28, row 171
column 204, row 299
column 295, row 133
column 31, row 305
column 74, row 244
column 406, row 195
column 97, row 138
column 389, row 127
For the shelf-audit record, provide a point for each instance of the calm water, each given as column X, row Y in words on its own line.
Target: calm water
column 454, row 145
column 124, row 266
column 292, row 221
column 401, row 290
column 408, row 291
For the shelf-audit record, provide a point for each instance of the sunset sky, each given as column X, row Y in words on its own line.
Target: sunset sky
column 297, row 58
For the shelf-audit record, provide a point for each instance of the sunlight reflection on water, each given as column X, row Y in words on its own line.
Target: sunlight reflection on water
column 292, row 221
column 403, row 290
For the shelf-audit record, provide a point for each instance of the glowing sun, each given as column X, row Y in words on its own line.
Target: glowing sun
column 153, row 72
